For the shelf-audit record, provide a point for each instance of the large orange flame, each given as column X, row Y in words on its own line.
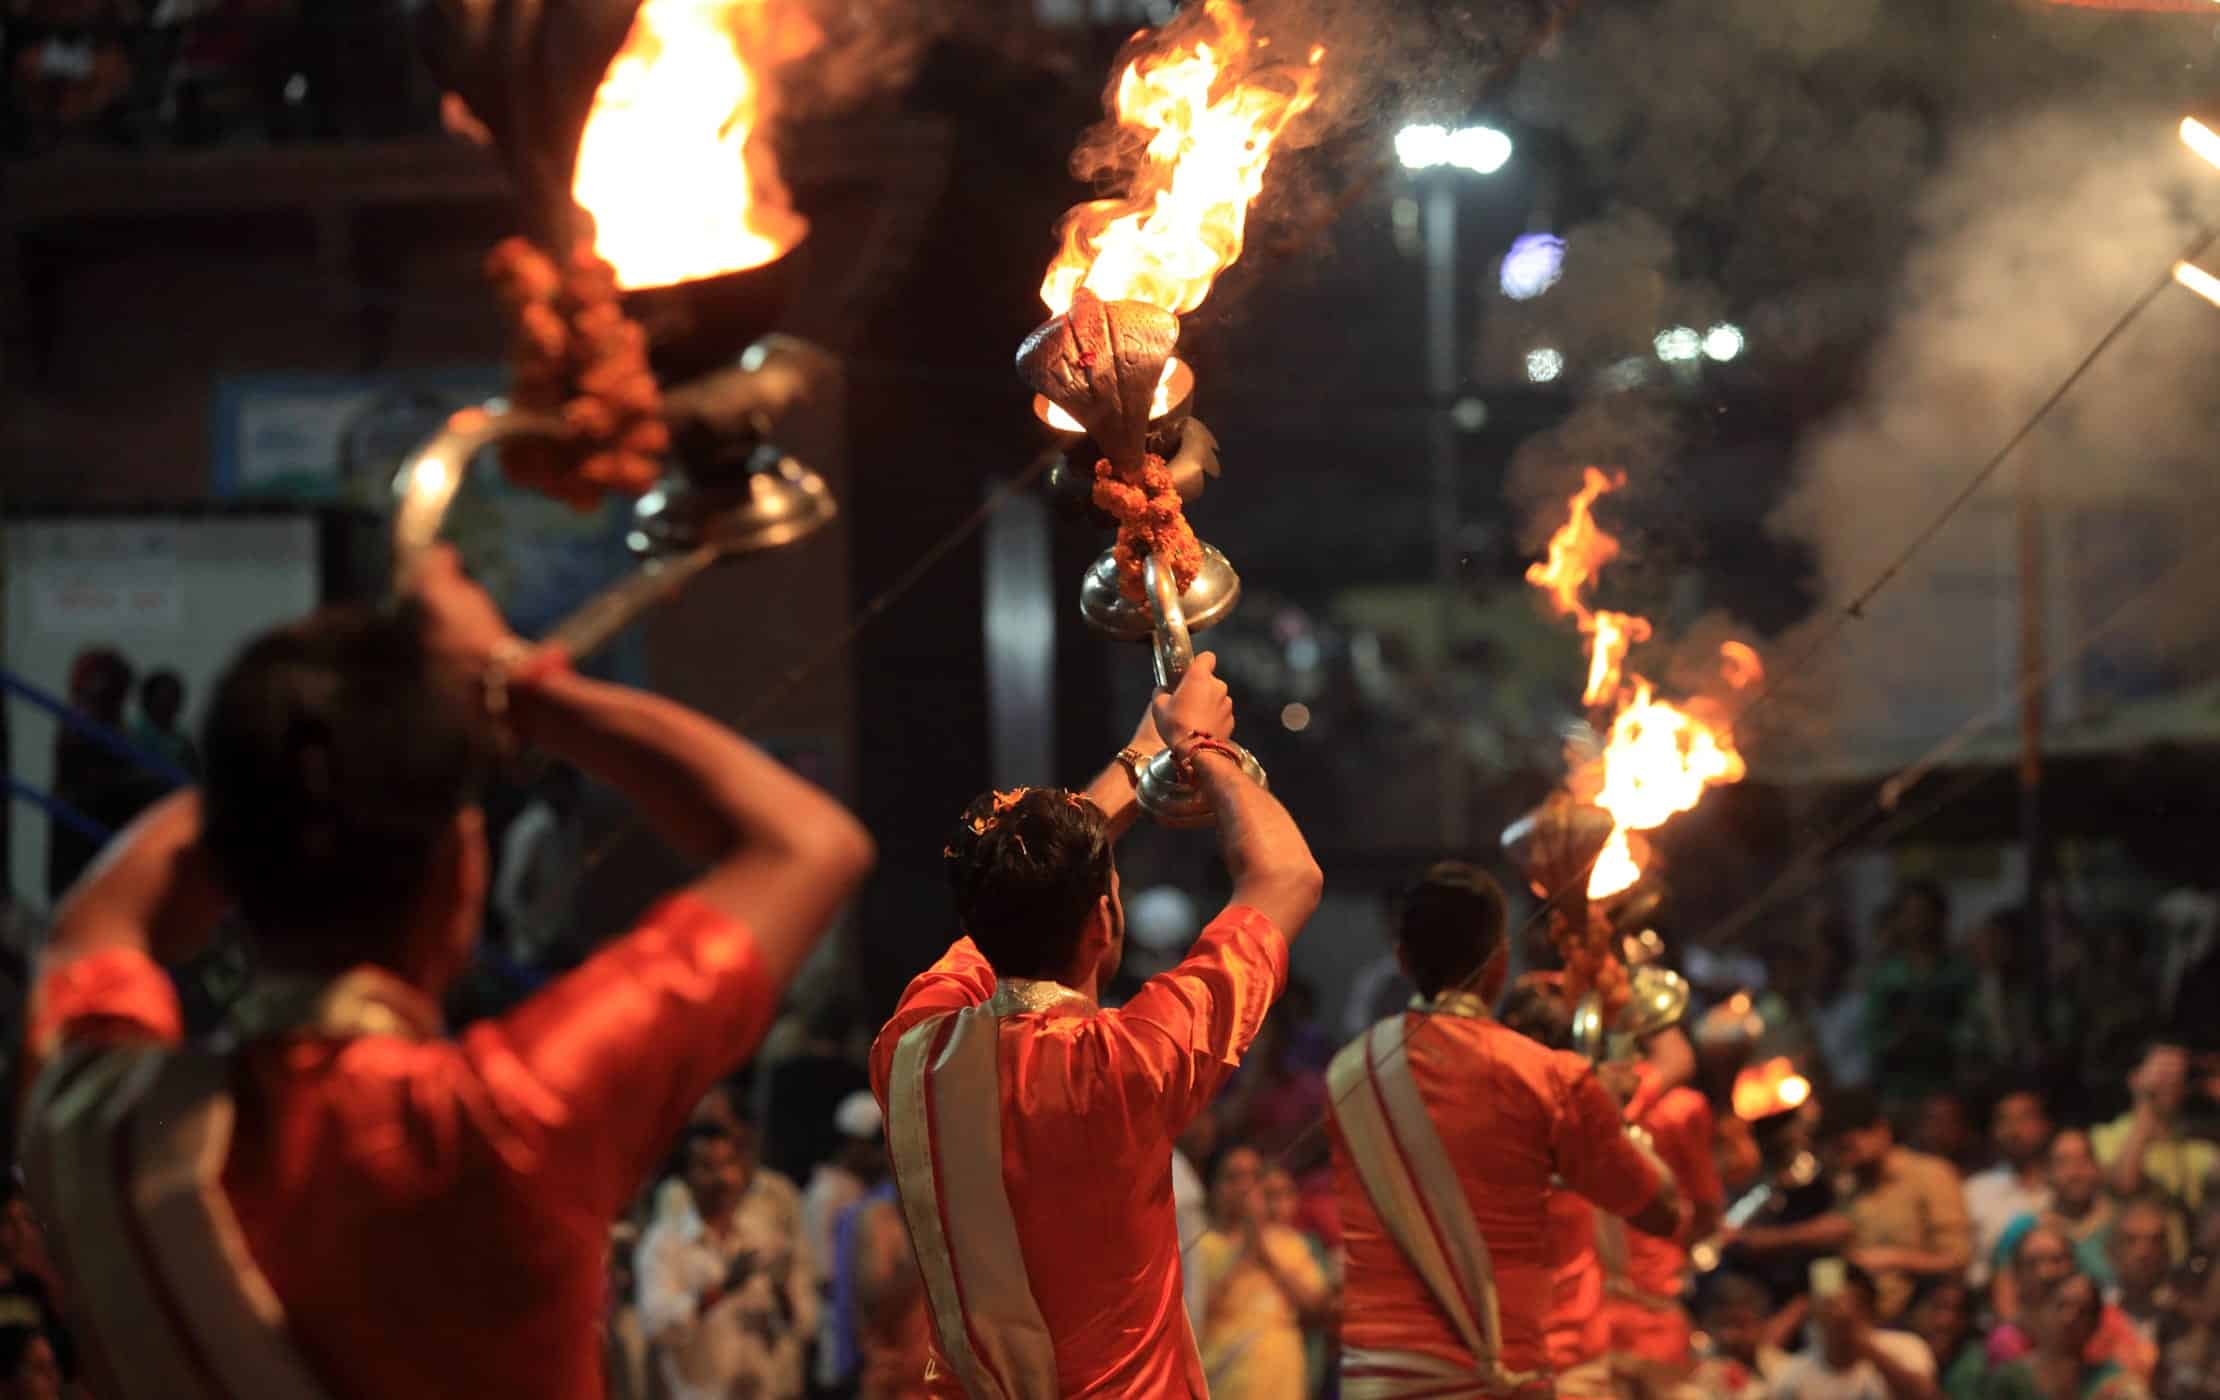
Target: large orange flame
column 1658, row 758
column 1205, row 107
column 673, row 165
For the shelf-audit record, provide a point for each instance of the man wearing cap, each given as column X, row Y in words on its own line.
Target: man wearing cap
column 1451, row 1133
column 1904, row 1220
column 1031, row 1128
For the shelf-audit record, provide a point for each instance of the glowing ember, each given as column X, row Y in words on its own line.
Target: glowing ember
column 1739, row 666
column 1206, row 107
column 2198, row 280
column 2201, row 138
column 673, row 164
column 1772, row 1087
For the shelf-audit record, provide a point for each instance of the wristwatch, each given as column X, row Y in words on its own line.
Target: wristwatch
column 1131, row 759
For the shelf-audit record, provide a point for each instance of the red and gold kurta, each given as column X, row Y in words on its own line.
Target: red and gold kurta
column 1091, row 1101
column 1643, row 1306
column 434, row 1213
column 1574, row 1329
column 1511, row 1115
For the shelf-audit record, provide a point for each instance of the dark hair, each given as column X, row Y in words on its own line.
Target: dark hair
column 165, row 682
column 1448, row 925
column 100, row 679
column 337, row 758
column 1536, row 1011
column 1027, row 868
column 1223, row 1155
column 1849, row 1111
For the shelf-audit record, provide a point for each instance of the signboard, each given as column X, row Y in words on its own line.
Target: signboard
column 100, row 578
column 340, row 438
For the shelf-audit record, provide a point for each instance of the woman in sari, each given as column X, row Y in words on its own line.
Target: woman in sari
column 1257, row 1287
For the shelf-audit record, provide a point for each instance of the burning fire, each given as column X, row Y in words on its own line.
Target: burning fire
column 1206, row 107
column 673, row 165
column 1658, row 758
column 1160, row 403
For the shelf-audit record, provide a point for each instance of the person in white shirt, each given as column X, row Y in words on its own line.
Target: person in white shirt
column 2018, row 1184
column 1848, row 1358
column 727, row 1290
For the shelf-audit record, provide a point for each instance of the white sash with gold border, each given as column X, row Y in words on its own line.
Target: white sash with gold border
column 1407, row 1174
column 944, row 1128
column 124, row 1148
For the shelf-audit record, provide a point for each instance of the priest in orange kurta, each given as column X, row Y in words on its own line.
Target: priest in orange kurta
column 347, row 1201
column 1031, row 1127
column 1450, row 1134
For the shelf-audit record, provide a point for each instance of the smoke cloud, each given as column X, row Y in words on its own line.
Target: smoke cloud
column 1922, row 216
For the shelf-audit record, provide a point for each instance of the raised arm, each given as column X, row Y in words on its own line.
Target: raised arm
column 1271, row 865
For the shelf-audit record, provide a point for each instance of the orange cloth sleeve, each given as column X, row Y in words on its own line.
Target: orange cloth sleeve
column 599, row 1071
column 1591, row 1149
column 114, row 995
column 1202, row 1015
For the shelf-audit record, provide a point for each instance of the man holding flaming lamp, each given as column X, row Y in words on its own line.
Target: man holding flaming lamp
column 1450, row 1134
column 1031, row 1129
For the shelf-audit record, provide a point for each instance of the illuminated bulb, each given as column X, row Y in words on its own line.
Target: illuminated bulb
column 1480, row 149
column 1295, row 718
column 2198, row 280
column 1794, row 1091
column 1544, row 364
column 1723, row 342
column 2201, row 138
column 1532, row 266
column 1679, row 344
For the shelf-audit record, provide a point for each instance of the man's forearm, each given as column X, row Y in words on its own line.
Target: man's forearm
column 153, row 890
column 1270, row 862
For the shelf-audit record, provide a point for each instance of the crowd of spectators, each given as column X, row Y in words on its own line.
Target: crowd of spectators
column 191, row 73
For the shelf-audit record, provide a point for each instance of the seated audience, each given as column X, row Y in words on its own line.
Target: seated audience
column 1943, row 1317
column 1740, row 1364
column 2059, row 1366
column 2042, row 1263
column 1848, row 1357
column 2078, row 1210
column 2019, row 1183
column 2146, row 1146
column 1904, row 1220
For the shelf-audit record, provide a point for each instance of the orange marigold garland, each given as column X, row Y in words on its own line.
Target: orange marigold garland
column 574, row 353
column 1150, row 518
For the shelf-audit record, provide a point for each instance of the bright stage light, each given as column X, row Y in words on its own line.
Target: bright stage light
column 1480, row 149
column 1679, row 344
column 1724, row 341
